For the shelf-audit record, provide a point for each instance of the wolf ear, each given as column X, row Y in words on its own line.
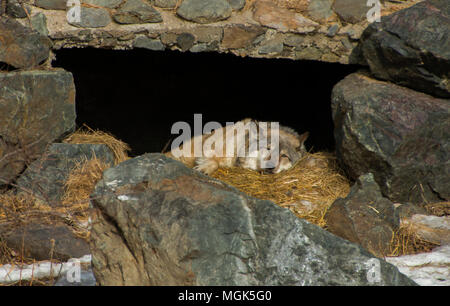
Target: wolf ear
column 302, row 138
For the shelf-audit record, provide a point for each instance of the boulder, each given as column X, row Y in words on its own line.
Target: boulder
column 36, row 108
column 15, row 10
column 157, row 222
column 400, row 135
column 35, row 241
column 46, row 176
column 204, row 11
column 20, row 46
column 411, row 47
column 364, row 217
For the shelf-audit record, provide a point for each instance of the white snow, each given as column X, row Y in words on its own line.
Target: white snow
column 13, row 273
column 426, row 269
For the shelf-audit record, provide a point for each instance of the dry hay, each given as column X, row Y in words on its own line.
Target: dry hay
column 86, row 135
column 307, row 189
column 79, row 186
column 405, row 241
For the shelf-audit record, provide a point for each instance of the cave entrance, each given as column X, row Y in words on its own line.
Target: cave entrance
column 138, row 95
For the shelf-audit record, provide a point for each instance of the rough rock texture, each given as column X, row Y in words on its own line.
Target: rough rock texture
column 158, row 222
column 411, row 47
column 239, row 36
column 14, row 9
column 47, row 175
column 364, row 217
column 36, row 108
column 427, row 269
column 136, row 11
column 267, row 13
column 400, row 135
column 92, row 17
column 204, row 11
column 430, row 228
column 34, row 240
column 20, row 46
column 352, row 11
column 51, row 4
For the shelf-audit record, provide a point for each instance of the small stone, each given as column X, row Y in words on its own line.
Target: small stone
column 205, row 47
column 169, row 39
column 136, row 12
column 352, row 11
column 15, row 10
column 333, row 30
column 185, row 41
column 39, row 23
column 148, row 43
column 272, row 46
column 51, row 4
column 294, row 40
column 204, row 11
column 166, row 3
column 240, row 36
column 237, row 4
column 104, row 3
column 92, row 18
column 320, row 10
column 268, row 14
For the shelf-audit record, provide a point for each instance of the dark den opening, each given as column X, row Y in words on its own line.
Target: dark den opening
column 138, row 95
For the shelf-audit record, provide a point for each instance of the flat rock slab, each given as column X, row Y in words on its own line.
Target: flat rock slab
column 46, row 176
column 135, row 12
column 36, row 108
column 411, row 47
column 22, row 47
column 204, row 11
column 400, row 135
column 35, row 241
column 267, row 13
column 157, row 222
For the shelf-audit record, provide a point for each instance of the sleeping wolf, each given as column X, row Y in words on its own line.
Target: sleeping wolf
column 255, row 145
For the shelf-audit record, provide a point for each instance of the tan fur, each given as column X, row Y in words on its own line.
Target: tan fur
column 290, row 147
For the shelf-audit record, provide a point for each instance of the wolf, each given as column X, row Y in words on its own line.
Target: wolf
column 272, row 156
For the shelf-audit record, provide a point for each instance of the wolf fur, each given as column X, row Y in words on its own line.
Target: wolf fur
column 290, row 147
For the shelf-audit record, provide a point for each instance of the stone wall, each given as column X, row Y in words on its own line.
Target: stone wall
column 325, row 30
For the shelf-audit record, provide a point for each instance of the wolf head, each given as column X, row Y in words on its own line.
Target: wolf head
column 291, row 148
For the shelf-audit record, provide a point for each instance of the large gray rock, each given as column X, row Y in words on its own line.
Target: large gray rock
column 400, row 135
column 20, row 46
column 157, row 222
column 46, row 176
column 411, row 47
column 204, row 11
column 364, row 217
column 36, row 108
